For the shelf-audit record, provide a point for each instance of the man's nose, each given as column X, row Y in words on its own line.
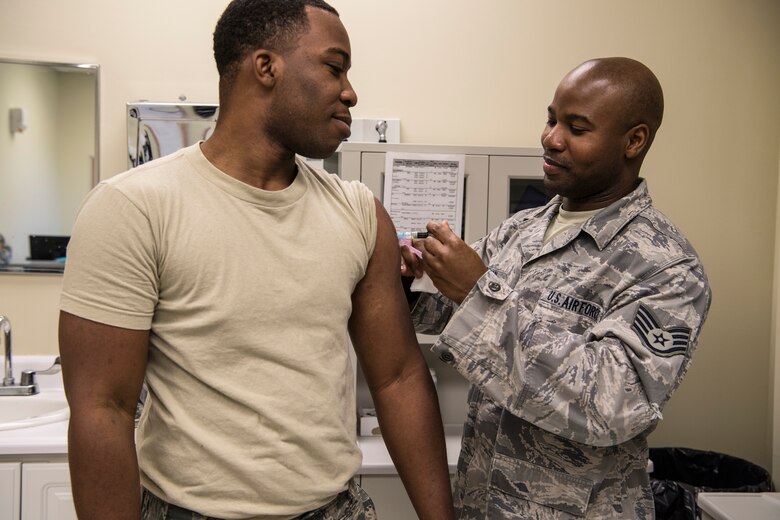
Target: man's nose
column 551, row 138
column 348, row 95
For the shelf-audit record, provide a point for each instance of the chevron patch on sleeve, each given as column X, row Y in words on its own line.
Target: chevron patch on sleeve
column 662, row 342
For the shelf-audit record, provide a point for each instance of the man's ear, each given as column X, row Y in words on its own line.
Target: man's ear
column 638, row 139
column 265, row 65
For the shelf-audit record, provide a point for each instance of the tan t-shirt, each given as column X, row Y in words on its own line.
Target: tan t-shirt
column 247, row 294
column 563, row 220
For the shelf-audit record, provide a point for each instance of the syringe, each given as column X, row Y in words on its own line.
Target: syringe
column 408, row 235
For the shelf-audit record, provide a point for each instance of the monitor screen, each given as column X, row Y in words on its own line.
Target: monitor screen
column 48, row 247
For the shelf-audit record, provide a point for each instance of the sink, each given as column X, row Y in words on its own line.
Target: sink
column 33, row 410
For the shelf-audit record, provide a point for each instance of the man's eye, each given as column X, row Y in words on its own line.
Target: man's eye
column 551, row 122
column 336, row 70
column 578, row 131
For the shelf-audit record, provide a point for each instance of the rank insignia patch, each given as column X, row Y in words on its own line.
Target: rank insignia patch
column 662, row 342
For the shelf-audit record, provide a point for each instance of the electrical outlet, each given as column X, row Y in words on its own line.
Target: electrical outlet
column 364, row 130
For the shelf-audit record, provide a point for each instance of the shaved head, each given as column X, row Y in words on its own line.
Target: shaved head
column 637, row 90
column 601, row 122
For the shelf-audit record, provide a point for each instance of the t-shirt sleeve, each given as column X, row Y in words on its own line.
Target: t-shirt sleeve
column 362, row 201
column 111, row 273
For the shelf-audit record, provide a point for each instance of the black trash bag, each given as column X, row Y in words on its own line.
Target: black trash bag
column 673, row 500
column 679, row 474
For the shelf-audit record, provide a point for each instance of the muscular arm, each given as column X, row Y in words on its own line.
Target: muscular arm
column 399, row 380
column 103, row 369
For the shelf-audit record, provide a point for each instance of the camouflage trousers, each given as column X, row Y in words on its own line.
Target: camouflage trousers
column 351, row 504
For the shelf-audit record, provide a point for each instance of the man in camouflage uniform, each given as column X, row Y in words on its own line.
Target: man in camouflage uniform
column 574, row 322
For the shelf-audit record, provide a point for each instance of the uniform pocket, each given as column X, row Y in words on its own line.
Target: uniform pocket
column 519, row 485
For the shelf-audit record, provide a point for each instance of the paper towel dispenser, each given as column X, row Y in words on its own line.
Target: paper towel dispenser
column 158, row 129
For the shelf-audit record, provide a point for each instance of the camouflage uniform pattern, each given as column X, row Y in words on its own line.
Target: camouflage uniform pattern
column 351, row 504
column 572, row 348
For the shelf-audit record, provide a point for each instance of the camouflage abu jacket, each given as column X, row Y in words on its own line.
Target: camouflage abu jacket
column 572, row 349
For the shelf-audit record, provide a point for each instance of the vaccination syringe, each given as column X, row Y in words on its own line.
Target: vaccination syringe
column 407, row 235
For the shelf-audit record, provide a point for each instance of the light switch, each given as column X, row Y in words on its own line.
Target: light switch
column 18, row 117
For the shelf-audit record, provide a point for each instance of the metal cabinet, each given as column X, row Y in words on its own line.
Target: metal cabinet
column 498, row 182
column 389, row 496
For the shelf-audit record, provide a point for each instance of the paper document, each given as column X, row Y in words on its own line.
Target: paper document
column 424, row 187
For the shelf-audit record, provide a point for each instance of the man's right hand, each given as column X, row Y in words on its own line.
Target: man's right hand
column 454, row 267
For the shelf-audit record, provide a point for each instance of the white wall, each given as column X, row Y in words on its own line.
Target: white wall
column 75, row 146
column 465, row 72
column 774, row 380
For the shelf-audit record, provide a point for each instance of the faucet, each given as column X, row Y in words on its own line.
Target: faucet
column 8, row 374
column 27, row 385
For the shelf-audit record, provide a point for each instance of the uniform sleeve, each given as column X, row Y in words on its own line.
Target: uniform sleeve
column 599, row 387
column 111, row 271
column 432, row 312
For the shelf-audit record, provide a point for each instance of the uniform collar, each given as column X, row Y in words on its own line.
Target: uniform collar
column 603, row 226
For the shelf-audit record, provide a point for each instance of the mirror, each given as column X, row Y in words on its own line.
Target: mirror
column 48, row 158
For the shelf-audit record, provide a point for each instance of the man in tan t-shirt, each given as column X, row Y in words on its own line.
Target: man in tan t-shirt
column 227, row 275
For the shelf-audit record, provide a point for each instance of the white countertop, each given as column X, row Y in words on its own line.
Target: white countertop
column 52, row 439
column 47, row 439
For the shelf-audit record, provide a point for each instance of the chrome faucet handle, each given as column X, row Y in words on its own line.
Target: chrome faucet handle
column 53, row 369
column 28, row 376
column 27, row 384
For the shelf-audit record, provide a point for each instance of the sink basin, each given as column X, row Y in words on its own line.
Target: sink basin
column 32, row 410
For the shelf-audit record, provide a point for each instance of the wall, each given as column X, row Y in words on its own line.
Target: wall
column 462, row 72
column 774, row 380
column 76, row 144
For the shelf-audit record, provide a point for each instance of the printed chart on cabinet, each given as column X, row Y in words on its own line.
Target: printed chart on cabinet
column 423, row 187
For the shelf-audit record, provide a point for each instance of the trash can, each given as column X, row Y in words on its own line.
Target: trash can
column 679, row 474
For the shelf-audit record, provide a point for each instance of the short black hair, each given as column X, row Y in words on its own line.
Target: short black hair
column 247, row 25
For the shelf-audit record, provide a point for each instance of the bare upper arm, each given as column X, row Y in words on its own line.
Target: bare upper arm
column 381, row 326
column 101, row 364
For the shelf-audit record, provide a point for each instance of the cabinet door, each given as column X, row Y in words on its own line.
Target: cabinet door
column 10, row 490
column 516, row 182
column 389, row 496
column 46, row 492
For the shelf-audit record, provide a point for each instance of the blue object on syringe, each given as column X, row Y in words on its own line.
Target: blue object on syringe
column 408, row 235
